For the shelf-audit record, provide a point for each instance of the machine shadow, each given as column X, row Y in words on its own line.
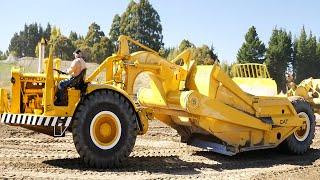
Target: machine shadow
column 174, row 165
column 153, row 164
column 260, row 159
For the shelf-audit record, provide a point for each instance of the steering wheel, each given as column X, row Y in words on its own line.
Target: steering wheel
column 60, row 72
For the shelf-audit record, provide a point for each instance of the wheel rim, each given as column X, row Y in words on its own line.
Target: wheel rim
column 302, row 133
column 105, row 130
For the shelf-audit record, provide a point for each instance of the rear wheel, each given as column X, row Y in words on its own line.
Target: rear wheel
column 299, row 142
column 104, row 129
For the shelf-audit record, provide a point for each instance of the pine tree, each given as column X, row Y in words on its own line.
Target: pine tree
column 102, row 50
column 63, row 46
column 17, row 45
column 306, row 61
column 202, row 55
column 115, row 29
column 32, row 36
column 2, row 55
column 94, row 35
column 141, row 22
column 313, row 65
column 73, row 36
column 252, row 50
column 278, row 56
column 95, row 47
column 25, row 42
column 185, row 44
column 47, row 32
column 318, row 56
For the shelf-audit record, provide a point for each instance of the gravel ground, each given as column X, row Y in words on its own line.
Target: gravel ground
column 157, row 155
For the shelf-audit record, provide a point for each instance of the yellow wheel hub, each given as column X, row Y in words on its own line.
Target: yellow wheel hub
column 105, row 130
column 302, row 133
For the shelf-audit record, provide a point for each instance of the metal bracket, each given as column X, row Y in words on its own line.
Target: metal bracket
column 211, row 146
column 60, row 133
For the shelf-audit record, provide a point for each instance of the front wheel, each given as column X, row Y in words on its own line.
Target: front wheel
column 104, row 129
column 299, row 142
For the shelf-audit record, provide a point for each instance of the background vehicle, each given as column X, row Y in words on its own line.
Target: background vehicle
column 254, row 78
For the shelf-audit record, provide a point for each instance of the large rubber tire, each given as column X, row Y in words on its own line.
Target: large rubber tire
column 292, row 144
column 93, row 104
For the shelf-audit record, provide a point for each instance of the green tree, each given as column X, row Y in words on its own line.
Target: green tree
column 32, row 37
column 185, row 44
column 63, row 46
column 306, row 61
column 3, row 55
column 17, row 45
column 47, row 32
column 73, row 36
column 25, row 42
column 115, row 28
column 100, row 51
column 313, row 65
column 164, row 52
column 252, row 50
column 318, row 56
column 94, row 35
column 141, row 22
column 202, row 55
column 278, row 56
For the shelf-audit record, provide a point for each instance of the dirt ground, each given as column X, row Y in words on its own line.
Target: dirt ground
column 157, row 155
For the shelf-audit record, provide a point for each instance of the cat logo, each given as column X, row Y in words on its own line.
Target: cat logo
column 32, row 79
column 283, row 121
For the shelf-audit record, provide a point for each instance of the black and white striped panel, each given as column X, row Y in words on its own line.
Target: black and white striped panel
column 29, row 119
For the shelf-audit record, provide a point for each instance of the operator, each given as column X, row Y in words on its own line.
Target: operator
column 76, row 70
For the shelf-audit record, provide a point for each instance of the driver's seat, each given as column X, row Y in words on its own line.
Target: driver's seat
column 79, row 82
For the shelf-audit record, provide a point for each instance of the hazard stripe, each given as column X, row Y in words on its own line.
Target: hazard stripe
column 8, row 118
column 29, row 120
column 35, row 120
column 3, row 117
column 18, row 120
column 54, row 122
column 68, row 121
column 24, row 117
column 47, row 121
column 40, row 121
column 13, row 118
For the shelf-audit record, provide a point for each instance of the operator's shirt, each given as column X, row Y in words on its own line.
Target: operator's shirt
column 77, row 66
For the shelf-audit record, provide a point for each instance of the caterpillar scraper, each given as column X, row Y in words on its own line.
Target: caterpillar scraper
column 206, row 107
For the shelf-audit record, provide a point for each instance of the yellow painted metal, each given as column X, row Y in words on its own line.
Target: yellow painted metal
column 48, row 95
column 309, row 89
column 4, row 102
column 254, row 78
column 180, row 94
column 105, row 130
column 15, row 92
column 56, row 62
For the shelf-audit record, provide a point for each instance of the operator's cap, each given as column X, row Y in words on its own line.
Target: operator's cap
column 77, row 51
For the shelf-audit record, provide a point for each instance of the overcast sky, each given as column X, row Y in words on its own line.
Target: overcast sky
column 220, row 23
